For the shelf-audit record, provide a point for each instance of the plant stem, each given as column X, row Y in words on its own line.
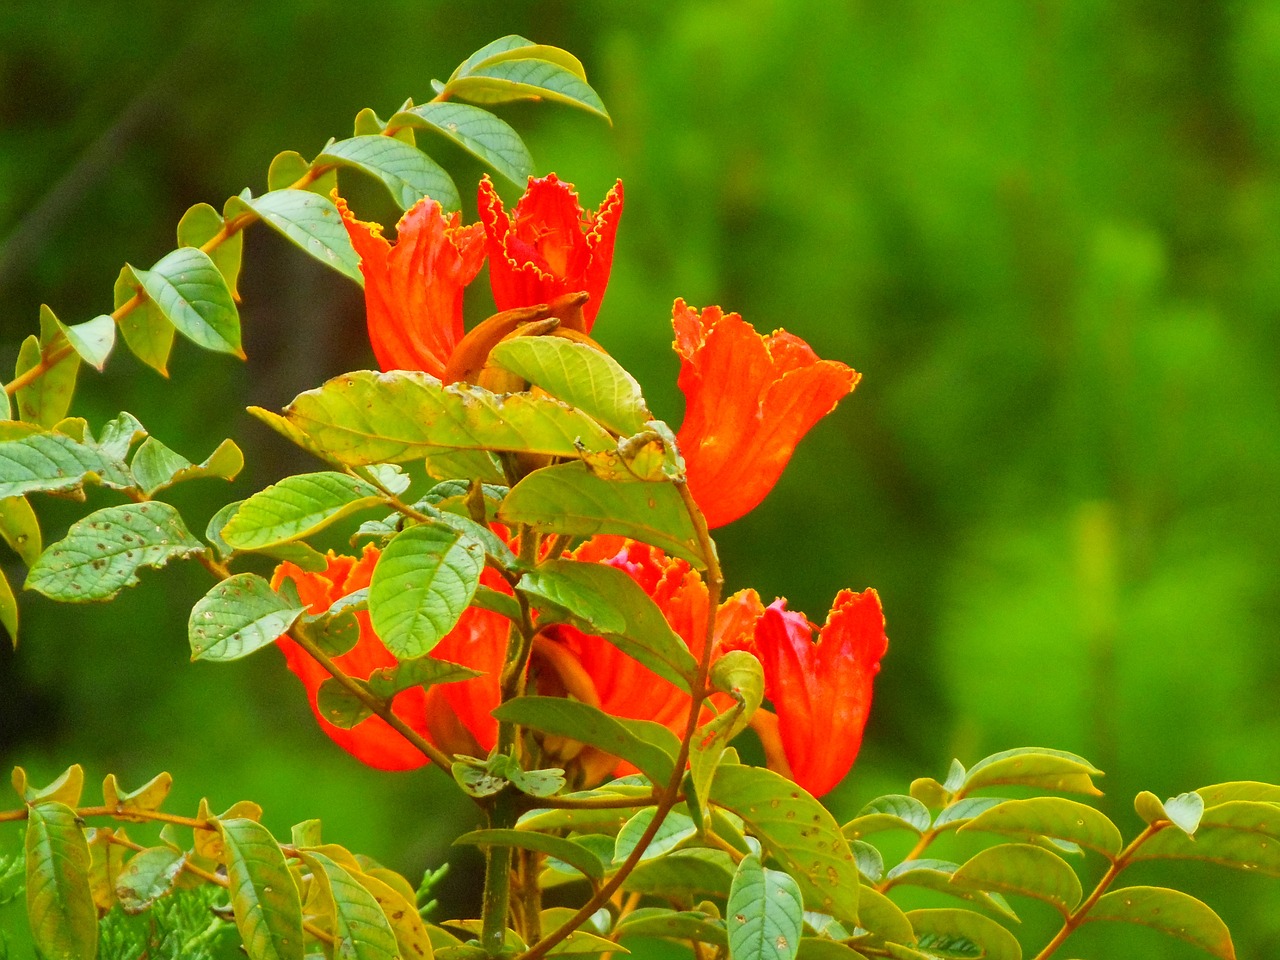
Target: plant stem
column 671, row 794
column 119, row 813
column 1078, row 915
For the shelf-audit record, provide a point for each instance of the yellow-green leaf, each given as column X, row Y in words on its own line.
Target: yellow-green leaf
column 361, row 927
column 1024, row 869
column 20, row 528
column 1169, row 911
column 60, row 907
column 1053, row 817
column 264, row 897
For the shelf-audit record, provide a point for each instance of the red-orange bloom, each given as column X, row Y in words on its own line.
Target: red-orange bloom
column 453, row 716
column 413, row 289
column 597, row 672
column 549, row 245
column 748, row 401
column 821, row 691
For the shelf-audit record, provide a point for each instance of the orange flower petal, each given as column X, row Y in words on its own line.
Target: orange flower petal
column 822, row 691
column 549, row 245
column 413, row 289
column 749, row 400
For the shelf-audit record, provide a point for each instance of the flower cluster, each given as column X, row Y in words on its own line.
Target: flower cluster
column 749, row 400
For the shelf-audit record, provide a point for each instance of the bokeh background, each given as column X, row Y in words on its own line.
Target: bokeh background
column 1047, row 233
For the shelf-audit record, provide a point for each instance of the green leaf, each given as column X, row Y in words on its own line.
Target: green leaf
column 567, row 851
column 310, row 222
column 147, row 797
column 1023, row 869
column 764, row 914
column 674, row 830
column 797, row 831
column 267, row 908
column 92, row 340
column 367, row 417
column 493, row 48
column 689, row 874
column 494, row 547
column 514, row 47
column 1038, row 767
column 200, row 224
column 156, row 467
column 344, row 709
column 487, row 138
column 569, row 498
column 21, row 529
column 60, row 908
column 937, row 926
column 450, row 464
column 412, row 940
column 238, row 616
column 672, row 924
column 502, row 81
column 1051, row 817
column 581, row 376
column 1169, row 911
column 891, row 812
column 936, row 875
column 409, row 174
column 52, row 462
column 119, row 435
column 66, row 789
column 103, row 552
column 288, row 167
column 191, row 292
column 148, row 876
column 882, row 917
column 815, row 948
column 1239, row 790
column 46, row 399
column 423, row 583
column 740, row 675
column 8, row 609
column 650, row 746
column 1183, row 811
column 145, row 328
column 296, row 507
column 359, row 924
column 1241, row 834
column 962, row 811
column 605, row 601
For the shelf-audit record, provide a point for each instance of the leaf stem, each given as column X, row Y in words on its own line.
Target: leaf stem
column 671, row 794
column 1078, row 915
column 119, row 813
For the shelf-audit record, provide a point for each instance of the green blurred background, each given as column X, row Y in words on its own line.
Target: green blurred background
column 1047, row 233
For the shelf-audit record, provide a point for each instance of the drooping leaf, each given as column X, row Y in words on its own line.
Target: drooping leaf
column 359, row 924
column 156, row 467
column 106, row 862
column 502, row 81
column 581, row 376
column 940, row 925
column 605, row 601
column 797, row 831
column 450, row 464
column 566, row 851
column 1169, row 911
column 191, row 292
column 144, row 326
column 409, row 174
column 238, row 616
column 1051, row 817
column 309, row 221
column 423, row 583
column 650, row 746
column 148, row 876
column 21, row 529
column 891, row 812
column 764, row 915
column 60, row 908
column 53, row 462
column 367, row 417
column 815, row 948
column 412, row 939
column 487, row 138
column 265, row 899
column 1038, row 767
column 675, row 829
column 933, row 874
column 882, row 917
column 92, row 340
column 8, row 609
column 200, row 224
column 296, row 507
column 46, row 399
column 569, row 498
column 684, row 875
column 103, row 552
column 1024, row 869
column 673, row 925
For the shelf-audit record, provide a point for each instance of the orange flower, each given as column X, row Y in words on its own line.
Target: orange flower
column 453, row 716
column 821, row 691
column 595, row 671
column 413, row 289
column 748, row 401
column 549, row 246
